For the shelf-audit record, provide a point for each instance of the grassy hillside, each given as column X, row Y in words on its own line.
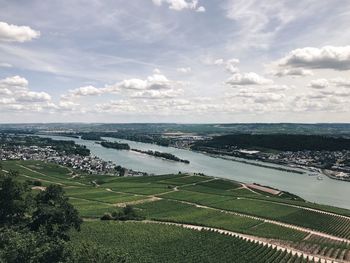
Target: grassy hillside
column 197, row 200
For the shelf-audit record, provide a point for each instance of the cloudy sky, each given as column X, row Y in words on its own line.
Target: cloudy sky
column 174, row 61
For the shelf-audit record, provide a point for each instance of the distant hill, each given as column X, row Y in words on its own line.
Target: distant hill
column 334, row 129
column 282, row 142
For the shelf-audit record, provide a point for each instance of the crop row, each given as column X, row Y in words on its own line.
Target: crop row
column 334, row 225
column 173, row 211
column 162, row 243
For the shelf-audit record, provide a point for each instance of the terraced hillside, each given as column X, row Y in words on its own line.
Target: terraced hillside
column 185, row 200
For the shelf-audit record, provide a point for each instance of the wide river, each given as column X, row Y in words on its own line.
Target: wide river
column 326, row 191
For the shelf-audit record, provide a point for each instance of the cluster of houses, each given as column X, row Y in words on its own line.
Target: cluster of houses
column 336, row 162
column 86, row 164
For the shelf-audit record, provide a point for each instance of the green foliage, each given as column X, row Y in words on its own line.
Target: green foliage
column 54, row 214
column 282, row 142
column 127, row 213
column 116, row 145
column 121, row 170
column 91, row 137
column 36, row 231
column 14, row 200
column 17, row 246
column 167, row 156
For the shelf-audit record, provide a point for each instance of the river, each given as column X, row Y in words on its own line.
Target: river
column 326, row 191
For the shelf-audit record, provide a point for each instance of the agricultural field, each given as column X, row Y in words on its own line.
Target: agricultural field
column 199, row 201
column 172, row 211
column 324, row 247
column 160, row 243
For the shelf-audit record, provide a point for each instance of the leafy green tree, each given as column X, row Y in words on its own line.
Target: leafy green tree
column 26, row 246
column 54, row 214
column 14, row 199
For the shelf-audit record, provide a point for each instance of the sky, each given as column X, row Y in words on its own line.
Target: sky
column 185, row 61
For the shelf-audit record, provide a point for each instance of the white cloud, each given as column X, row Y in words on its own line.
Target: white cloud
column 258, row 22
column 251, row 78
column 13, row 33
column 293, row 72
column 328, row 57
column 156, row 71
column 179, row 5
column 340, row 82
column 13, row 82
column 153, row 82
column 219, row 61
column 201, row 9
column 319, row 84
column 154, row 86
column 7, row 101
column 184, row 70
column 157, row 2
column 65, row 105
column 16, row 95
column 31, row 96
column 329, row 83
column 5, row 65
column 116, row 106
column 231, row 65
column 157, row 94
column 85, row 91
column 5, row 91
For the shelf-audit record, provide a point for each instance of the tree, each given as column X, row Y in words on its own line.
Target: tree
column 15, row 200
column 54, row 214
column 21, row 245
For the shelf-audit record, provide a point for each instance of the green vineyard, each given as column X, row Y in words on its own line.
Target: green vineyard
column 199, row 201
column 160, row 243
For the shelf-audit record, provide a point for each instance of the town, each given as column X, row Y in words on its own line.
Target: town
column 83, row 164
column 334, row 164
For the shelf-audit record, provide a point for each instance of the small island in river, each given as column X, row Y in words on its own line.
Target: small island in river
column 167, row 156
column 115, row 145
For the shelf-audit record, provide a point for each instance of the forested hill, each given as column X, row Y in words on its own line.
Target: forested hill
column 282, row 142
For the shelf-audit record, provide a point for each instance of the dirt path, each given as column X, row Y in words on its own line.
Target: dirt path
column 91, row 200
column 138, row 202
column 124, row 193
column 244, row 186
column 33, row 171
column 34, row 178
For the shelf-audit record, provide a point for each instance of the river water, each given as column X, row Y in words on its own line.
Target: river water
column 326, row 191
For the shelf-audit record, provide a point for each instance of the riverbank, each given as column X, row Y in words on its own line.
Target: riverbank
column 329, row 173
column 254, row 163
column 327, row 191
